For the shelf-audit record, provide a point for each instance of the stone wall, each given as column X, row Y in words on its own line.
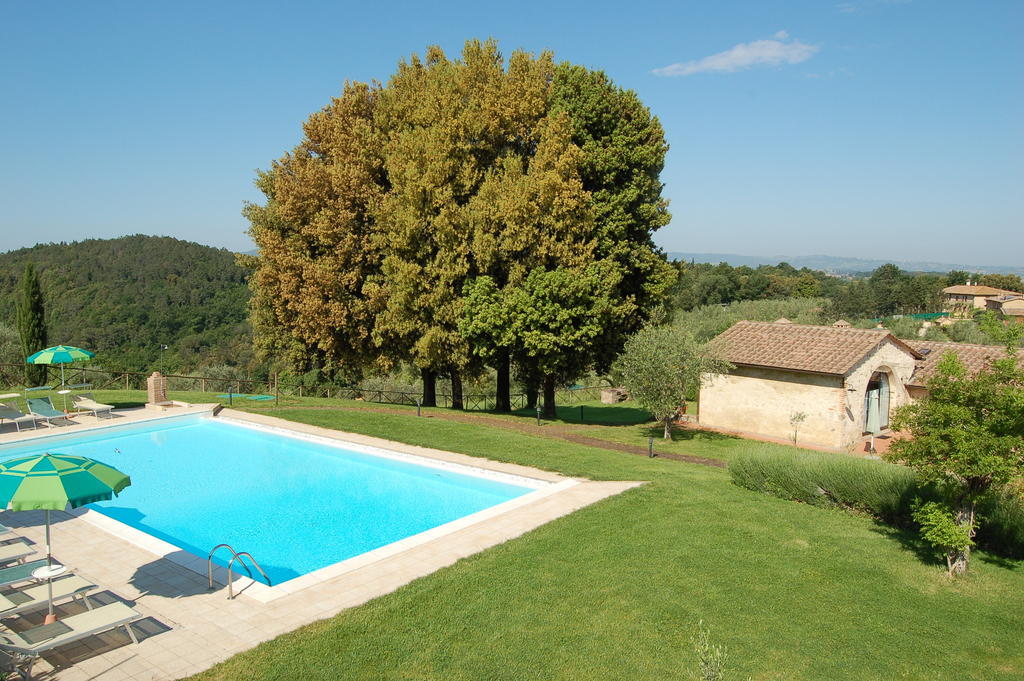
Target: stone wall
column 761, row 401
column 888, row 358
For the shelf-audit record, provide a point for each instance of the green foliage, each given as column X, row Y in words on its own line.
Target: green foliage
column 30, row 317
column 888, row 291
column 940, row 529
column 408, row 209
column 967, row 331
column 882, row 490
column 126, row 298
column 1008, row 282
column 660, row 364
column 967, row 435
column 968, row 432
column 830, row 481
column 701, row 284
column 624, row 151
column 706, row 322
column 10, row 345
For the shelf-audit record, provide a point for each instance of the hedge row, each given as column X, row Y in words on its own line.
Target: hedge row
column 882, row 490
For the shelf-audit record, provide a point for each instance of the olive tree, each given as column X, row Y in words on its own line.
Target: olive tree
column 660, row 364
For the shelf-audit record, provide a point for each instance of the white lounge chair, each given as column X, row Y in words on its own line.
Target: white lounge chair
column 25, row 647
column 15, row 552
column 9, row 412
column 37, row 596
column 85, row 402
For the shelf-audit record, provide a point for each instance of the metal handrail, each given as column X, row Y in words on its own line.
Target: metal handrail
column 235, row 555
column 231, row 591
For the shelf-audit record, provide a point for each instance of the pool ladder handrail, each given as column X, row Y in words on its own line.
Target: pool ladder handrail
column 235, row 555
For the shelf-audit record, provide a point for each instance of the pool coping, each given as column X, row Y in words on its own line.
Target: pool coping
column 545, row 484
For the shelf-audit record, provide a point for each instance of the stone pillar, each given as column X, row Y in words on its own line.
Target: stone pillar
column 156, row 387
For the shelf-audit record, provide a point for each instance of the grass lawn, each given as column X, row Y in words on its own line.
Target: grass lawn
column 615, row 590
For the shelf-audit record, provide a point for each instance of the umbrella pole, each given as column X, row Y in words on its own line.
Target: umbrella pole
column 50, row 617
column 65, row 395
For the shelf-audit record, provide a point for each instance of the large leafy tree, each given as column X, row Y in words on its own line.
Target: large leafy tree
column 453, row 128
column 401, row 197
column 550, row 321
column 967, row 437
column 624, row 151
column 31, row 324
column 315, row 237
column 659, row 365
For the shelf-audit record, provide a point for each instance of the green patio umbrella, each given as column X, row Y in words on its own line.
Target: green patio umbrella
column 52, row 482
column 60, row 354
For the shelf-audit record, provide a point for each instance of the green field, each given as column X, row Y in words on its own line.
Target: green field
column 616, row 590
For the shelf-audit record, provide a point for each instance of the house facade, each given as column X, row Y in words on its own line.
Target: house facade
column 962, row 300
column 845, row 382
column 1011, row 306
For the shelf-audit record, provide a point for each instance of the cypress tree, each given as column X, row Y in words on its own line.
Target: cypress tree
column 31, row 325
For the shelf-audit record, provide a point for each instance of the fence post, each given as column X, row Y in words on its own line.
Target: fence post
column 202, row 385
column 126, row 381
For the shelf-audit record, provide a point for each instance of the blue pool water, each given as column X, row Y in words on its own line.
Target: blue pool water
column 296, row 505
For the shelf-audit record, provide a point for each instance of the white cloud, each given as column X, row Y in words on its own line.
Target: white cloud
column 778, row 50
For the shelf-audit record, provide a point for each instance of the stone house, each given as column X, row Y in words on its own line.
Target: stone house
column 1010, row 305
column 964, row 299
column 845, row 381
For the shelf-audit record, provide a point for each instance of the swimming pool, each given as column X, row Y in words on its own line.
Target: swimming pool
column 297, row 504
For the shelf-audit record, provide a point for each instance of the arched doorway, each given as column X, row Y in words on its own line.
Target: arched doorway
column 876, row 403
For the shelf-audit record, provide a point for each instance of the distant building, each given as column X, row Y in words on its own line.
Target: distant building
column 962, row 300
column 846, row 381
column 1010, row 305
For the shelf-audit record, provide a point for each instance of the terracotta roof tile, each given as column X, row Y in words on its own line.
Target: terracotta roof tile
column 974, row 357
column 799, row 347
column 965, row 290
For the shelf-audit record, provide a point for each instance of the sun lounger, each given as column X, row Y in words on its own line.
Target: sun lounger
column 20, row 573
column 15, row 552
column 85, row 402
column 43, row 408
column 9, row 412
column 25, row 647
column 38, row 595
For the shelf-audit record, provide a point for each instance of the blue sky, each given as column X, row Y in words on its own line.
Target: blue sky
column 871, row 128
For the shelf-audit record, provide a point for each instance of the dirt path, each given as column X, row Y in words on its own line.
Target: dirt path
column 548, row 430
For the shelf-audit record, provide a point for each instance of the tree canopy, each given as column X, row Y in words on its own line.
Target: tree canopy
column 126, row 298
column 968, row 437
column 417, row 219
column 660, row 365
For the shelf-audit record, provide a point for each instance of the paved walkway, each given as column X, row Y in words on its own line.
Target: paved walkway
column 188, row 629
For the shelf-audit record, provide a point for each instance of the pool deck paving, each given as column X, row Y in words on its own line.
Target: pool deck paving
column 188, row 628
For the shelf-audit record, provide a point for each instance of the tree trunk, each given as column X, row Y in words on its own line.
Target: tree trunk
column 503, row 398
column 429, row 387
column 958, row 559
column 549, row 397
column 668, row 427
column 531, row 384
column 457, row 402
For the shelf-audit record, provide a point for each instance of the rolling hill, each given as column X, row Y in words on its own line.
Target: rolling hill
column 129, row 297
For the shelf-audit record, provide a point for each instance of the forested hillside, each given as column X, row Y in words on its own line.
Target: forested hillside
column 127, row 298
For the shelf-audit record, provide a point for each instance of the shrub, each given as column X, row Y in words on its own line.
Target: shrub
column 883, row 490
column 829, row 480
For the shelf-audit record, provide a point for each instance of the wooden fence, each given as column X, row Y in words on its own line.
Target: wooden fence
column 14, row 375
